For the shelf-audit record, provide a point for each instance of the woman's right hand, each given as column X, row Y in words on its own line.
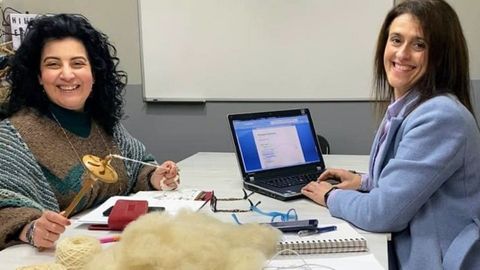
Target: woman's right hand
column 166, row 176
column 47, row 229
column 348, row 180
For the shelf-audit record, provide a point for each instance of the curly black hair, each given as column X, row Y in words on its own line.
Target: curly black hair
column 105, row 103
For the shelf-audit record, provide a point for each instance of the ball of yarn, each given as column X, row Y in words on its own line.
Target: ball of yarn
column 75, row 252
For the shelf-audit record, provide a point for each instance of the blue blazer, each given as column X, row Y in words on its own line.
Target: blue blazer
column 426, row 188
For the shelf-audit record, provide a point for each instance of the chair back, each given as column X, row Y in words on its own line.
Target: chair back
column 324, row 145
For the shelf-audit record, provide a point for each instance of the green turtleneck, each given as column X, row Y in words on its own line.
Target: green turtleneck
column 79, row 123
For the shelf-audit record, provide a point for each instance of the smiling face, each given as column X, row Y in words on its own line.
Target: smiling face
column 406, row 54
column 65, row 73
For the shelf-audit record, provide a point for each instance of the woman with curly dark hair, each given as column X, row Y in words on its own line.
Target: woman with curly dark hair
column 65, row 102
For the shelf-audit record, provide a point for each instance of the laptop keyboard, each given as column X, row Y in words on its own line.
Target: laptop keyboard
column 288, row 181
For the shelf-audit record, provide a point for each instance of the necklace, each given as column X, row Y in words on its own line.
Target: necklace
column 71, row 144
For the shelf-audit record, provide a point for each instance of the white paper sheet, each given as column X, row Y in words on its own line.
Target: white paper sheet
column 171, row 206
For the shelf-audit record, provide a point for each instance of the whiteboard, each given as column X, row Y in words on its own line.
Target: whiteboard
column 259, row 50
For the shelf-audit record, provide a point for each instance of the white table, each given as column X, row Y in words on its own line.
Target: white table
column 219, row 172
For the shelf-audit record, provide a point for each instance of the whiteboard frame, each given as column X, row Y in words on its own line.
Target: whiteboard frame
column 362, row 82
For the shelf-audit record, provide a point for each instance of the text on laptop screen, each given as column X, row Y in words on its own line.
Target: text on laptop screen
column 274, row 142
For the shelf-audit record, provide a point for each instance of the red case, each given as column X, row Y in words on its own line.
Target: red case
column 123, row 212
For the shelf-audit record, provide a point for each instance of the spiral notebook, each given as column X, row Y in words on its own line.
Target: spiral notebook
column 344, row 239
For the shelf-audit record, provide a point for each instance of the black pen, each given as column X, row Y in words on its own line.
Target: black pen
column 317, row 230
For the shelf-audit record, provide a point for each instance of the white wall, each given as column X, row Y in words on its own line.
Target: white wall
column 116, row 18
column 469, row 13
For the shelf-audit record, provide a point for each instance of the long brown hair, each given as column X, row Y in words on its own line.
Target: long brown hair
column 448, row 64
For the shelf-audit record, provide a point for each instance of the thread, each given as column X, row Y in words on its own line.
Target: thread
column 75, row 252
column 162, row 182
column 47, row 266
column 303, row 266
column 137, row 161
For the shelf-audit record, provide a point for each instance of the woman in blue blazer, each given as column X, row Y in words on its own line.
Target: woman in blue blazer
column 423, row 183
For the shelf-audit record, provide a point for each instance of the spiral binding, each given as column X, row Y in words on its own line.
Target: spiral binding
column 324, row 246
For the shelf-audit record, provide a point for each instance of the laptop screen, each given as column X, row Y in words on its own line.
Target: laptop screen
column 273, row 142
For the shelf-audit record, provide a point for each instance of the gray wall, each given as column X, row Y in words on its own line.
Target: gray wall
column 175, row 130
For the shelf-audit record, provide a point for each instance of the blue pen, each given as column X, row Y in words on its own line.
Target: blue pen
column 317, row 231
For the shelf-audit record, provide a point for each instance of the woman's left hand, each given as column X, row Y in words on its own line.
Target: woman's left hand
column 316, row 191
column 166, row 177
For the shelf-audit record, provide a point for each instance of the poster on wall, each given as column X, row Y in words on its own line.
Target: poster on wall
column 18, row 24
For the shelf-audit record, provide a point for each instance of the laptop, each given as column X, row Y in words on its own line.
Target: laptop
column 277, row 151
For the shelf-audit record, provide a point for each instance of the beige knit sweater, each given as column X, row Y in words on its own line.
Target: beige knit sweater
column 60, row 164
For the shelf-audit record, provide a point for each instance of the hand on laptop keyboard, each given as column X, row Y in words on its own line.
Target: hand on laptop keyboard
column 333, row 181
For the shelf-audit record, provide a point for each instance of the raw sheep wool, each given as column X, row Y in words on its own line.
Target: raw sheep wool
column 188, row 241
